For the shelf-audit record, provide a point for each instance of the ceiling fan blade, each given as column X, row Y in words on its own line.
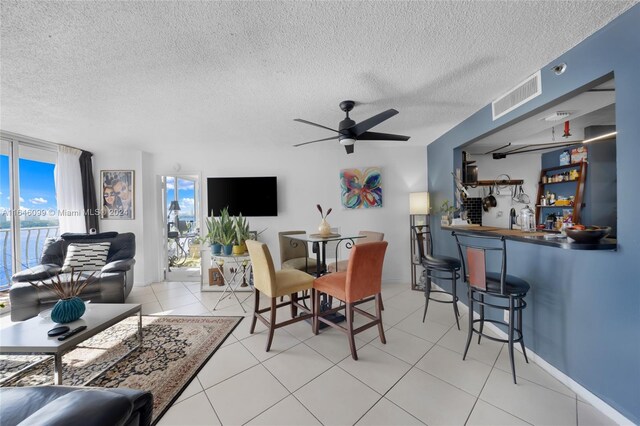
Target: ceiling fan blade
column 318, row 140
column 349, row 148
column 374, row 136
column 315, row 124
column 365, row 125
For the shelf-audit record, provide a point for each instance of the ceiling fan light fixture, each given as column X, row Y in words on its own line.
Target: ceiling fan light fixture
column 347, row 141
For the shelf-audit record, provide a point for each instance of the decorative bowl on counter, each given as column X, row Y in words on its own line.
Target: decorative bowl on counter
column 591, row 234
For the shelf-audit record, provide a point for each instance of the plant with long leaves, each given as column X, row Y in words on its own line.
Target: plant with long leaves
column 227, row 229
column 241, row 226
column 70, row 287
column 214, row 229
column 324, row 216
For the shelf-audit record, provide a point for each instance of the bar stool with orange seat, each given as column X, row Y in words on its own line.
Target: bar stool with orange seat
column 274, row 284
column 361, row 283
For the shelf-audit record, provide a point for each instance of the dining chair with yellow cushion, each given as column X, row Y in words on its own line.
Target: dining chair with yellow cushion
column 274, row 284
column 360, row 283
column 369, row 237
column 294, row 254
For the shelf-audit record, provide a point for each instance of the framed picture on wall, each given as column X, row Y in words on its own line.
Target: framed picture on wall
column 361, row 188
column 117, row 194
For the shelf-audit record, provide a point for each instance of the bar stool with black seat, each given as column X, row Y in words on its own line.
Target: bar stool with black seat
column 473, row 250
column 439, row 267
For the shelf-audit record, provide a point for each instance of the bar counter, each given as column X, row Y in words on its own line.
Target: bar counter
column 537, row 237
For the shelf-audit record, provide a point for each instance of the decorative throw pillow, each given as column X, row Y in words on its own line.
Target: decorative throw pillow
column 86, row 256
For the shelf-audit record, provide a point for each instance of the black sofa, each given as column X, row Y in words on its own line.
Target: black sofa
column 111, row 285
column 74, row 406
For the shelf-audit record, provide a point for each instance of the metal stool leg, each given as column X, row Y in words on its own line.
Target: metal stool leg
column 524, row 351
column 511, row 332
column 455, row 298
column 470, row 333
column 427, row 295
column 481, row 316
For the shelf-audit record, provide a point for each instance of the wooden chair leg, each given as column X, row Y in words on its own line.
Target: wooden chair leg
column 379, row 315
column 256, row 307
column 315, row 304
column 294, row 308
column 352, row 342
column 272, row 322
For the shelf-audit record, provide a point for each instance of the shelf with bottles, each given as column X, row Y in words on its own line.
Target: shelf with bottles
column 562, row 181
column 572, row 175
column 575, row 172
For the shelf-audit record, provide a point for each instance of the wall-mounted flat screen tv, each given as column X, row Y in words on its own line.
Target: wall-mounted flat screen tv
column 251, row 196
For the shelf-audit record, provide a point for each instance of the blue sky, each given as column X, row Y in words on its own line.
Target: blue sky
column 186, row 195
column 37, row 188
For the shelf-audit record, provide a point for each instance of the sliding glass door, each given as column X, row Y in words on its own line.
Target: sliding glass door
column 28, row 208
column 6, row 218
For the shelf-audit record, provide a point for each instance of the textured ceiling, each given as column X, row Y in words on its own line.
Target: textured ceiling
column 153, row 74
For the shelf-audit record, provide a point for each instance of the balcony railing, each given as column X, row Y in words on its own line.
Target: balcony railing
column 31, row 244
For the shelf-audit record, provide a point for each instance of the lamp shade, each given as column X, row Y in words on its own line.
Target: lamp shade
column 174, row 206
column 419, row 203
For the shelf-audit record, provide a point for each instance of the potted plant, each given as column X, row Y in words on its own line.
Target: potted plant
column 227, row 231
column 241, row 228
column 69, row 307
column 213, row 234
column 447, row 208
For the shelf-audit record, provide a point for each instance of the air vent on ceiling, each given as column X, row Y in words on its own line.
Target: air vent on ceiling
column 522, row 93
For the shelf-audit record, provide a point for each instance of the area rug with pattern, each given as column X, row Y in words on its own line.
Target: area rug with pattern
column 173, row 351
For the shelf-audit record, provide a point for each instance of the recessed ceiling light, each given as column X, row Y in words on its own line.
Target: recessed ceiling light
column 557, row 116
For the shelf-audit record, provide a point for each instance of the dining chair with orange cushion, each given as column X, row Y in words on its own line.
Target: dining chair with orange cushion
column 360, row 283
column 274, row 284
column 369, row 237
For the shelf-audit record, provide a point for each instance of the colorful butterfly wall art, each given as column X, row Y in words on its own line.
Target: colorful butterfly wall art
column 361, row 188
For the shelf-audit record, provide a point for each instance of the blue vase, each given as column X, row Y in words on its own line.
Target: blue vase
column 227, row 249
column 216, row 248
column 67, row 310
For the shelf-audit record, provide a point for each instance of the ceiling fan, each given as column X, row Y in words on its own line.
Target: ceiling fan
column 349, row 131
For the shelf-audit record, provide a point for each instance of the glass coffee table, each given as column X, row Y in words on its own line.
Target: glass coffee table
column 30, row 337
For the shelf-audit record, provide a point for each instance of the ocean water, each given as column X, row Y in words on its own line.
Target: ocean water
column 31, row 244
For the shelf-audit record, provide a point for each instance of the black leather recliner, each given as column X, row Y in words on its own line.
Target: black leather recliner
column 75, row 406
column 112, row 284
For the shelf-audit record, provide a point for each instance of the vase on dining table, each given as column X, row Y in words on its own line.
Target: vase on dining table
column 324, row 228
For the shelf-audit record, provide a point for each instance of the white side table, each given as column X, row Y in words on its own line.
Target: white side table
column 238, row 276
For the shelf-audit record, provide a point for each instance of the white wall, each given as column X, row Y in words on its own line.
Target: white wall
column 308, row 176
column 145, row 269
column 521, row 166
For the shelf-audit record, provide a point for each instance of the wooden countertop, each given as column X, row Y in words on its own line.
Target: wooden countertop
column 537, row 237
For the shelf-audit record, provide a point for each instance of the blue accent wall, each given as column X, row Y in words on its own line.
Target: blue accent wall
column 584, row 307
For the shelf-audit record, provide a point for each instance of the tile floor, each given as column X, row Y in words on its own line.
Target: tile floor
column 417, row 378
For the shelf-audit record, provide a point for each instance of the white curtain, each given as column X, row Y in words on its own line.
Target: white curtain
column 68, row 181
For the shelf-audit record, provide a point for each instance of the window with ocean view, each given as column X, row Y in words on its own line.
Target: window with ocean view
column 31, row 212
